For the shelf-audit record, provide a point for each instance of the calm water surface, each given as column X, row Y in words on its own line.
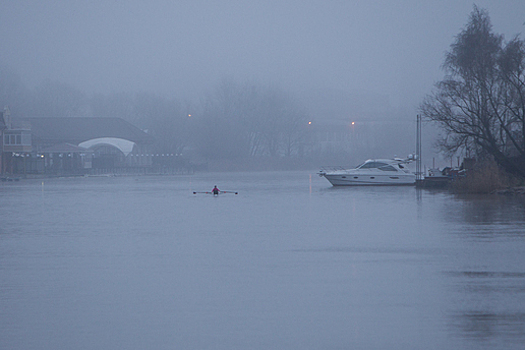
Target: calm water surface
column 288, row 263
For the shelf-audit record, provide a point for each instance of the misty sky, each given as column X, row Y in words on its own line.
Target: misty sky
column 179, row 48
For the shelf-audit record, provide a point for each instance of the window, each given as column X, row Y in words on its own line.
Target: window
column 387, row 168
column 17, row 137
column 378, row 165
column 369, row 165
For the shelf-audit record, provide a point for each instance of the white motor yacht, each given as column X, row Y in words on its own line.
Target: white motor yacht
column 372, row 172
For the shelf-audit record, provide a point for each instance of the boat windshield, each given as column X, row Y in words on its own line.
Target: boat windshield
column 377, row 165
column 370, row 165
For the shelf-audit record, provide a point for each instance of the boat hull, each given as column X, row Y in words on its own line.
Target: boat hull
column 371, row 180
column 386, row 172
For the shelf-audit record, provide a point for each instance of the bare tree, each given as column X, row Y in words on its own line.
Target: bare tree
column 12, row 92
column 221, row 125
column 247, row 120
column 55, row 99
column 480, row 103
column 116, row 105
column 512, row 95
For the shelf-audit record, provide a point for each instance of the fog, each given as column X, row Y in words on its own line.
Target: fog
column 180, row 48
column 340, row 58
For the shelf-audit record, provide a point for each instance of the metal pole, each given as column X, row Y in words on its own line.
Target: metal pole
column 418, row 148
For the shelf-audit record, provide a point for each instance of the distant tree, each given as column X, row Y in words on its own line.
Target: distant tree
column 246, row 120
column 55, row 99
column 273, row 112
column 481, row 102
column 284, row 123
column 221, row 124
column 163, row 118
column 116, row 105
column 168, row 122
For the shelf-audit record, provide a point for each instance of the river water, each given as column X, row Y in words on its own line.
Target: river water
column 289, row 263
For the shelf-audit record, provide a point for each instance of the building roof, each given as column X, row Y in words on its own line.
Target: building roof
column 75, row 130
column 65, row 148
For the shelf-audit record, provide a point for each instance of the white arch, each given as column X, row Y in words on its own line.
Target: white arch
column 125, row 146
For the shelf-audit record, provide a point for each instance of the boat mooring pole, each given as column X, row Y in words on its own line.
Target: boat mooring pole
column 418, row 148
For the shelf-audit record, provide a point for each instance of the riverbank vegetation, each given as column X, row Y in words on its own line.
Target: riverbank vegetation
column 480, row 104
column 487, row 177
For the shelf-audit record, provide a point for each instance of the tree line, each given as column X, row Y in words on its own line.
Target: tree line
column 234, row 121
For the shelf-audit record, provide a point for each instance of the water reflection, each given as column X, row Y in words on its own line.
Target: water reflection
column 488, row 209
column 485, row 281
column 504, row 327
column 488, row 308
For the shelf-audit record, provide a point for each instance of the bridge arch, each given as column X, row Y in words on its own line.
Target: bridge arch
column 125, row 146
column 109, row 152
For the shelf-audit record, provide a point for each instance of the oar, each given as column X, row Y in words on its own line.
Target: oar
column 195, row 192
